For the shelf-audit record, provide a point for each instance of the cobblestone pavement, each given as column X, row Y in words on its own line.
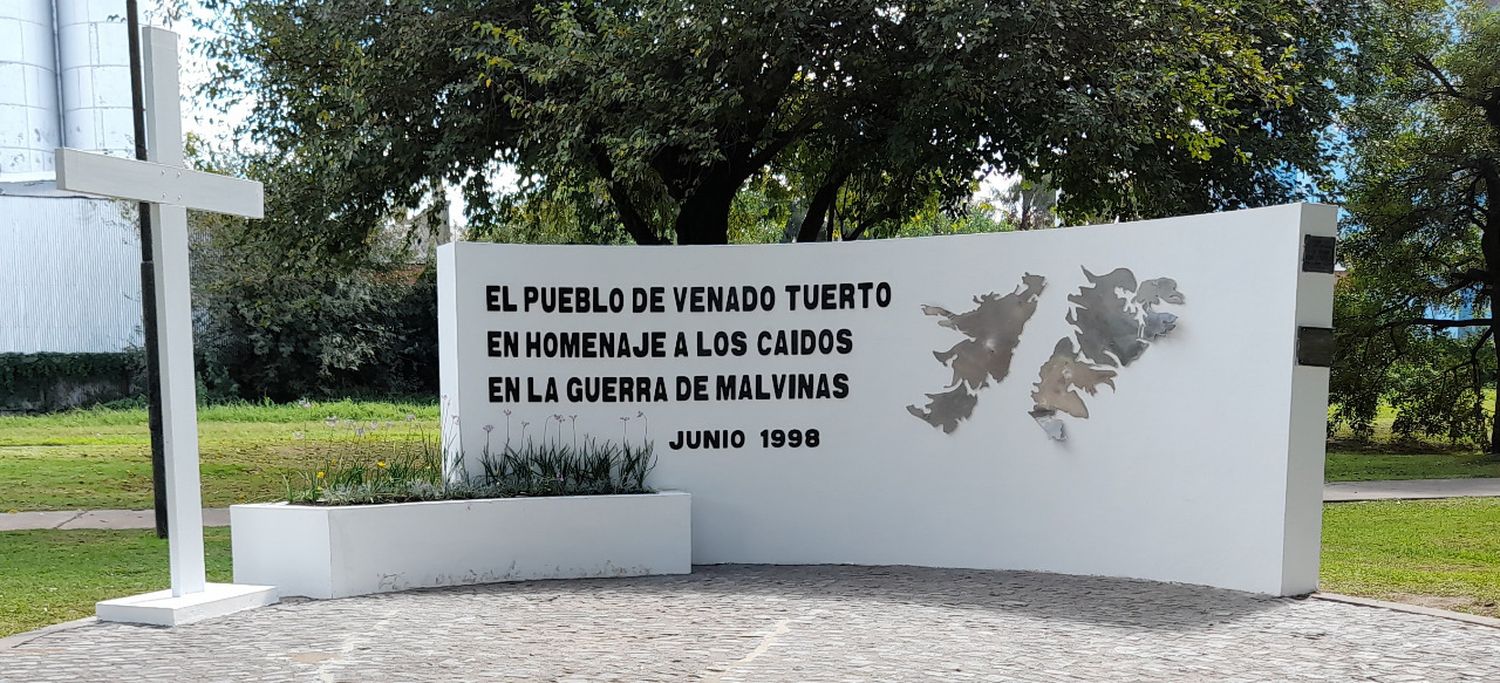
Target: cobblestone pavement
column 784, row 624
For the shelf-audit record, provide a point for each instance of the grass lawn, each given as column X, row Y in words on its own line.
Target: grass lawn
column 47, row 577
column 101, row 458
column 1370, row 466
column 1385, row 456
column 1442, row 553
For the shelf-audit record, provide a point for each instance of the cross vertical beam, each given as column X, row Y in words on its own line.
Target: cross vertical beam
column 169, row 189
column 179, row 393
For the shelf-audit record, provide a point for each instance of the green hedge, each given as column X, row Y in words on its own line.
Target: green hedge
column 57, row 381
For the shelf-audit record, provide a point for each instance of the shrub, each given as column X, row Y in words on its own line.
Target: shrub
column 415, row 473
column 322, row 332
column 57, row 381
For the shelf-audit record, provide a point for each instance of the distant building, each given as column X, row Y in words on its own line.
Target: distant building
column 69, row 265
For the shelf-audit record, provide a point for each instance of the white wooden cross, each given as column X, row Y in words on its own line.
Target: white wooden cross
column 170, row 189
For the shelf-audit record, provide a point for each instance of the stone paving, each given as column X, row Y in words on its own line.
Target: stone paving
column 739, row 623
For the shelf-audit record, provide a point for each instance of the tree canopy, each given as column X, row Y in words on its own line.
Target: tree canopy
column 652, row 118
column 1422, row 237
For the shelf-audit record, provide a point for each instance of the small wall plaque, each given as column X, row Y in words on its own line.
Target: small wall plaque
column 1315, row 346
column 1317, row 254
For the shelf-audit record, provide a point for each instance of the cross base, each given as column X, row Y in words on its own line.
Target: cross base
column 161, row 609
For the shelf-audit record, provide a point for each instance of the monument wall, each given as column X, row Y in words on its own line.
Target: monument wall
column 1119, row 400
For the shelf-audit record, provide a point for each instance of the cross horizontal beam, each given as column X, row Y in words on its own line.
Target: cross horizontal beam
column 145, row 181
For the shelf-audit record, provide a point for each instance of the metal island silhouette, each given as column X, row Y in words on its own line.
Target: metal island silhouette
column 993, row 328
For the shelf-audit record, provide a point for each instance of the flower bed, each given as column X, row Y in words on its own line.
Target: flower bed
column 325, row 551
column 548, row 510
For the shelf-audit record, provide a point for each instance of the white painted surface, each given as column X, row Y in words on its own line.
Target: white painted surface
column 163, row 183
column 162, row 608
column 174, row 310
column 339, row 551
column 69, row 275
column 287, row 546
column 1307, row 438
column 1194, row 469
column 29, row 109
column 93, row 46
column 173, row 295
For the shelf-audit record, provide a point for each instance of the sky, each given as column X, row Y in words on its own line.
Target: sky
column 199, row 117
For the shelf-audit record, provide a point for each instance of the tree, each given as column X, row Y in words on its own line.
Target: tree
column 283, row 323
column 1423, row 233
column 1029, row 203
column 1433, row 379
column 669, row 109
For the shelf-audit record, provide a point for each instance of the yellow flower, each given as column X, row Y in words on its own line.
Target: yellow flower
column 320, row 474
column 380, row 464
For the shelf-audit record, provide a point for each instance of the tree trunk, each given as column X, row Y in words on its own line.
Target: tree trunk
column 1495, row 408
column 704, row 215
column 1494, row 342
column 1489, row 245
column 818, row 210
column 619, row 195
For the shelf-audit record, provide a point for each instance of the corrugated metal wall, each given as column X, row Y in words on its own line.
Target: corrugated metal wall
column 69, row 275
column 69, row 266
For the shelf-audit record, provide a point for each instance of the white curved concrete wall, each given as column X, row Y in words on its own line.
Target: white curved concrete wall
column 1202, row 461
column 94, row 59
column 28, row 88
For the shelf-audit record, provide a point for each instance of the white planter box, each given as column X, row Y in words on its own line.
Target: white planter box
column 339, row 551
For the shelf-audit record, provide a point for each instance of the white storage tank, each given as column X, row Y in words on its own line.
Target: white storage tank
column 29, row 114
column 69, row 265
column 93, row 48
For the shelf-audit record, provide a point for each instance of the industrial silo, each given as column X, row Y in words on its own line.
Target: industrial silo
column 93, row 63
column 30, row 115
column 69, row 264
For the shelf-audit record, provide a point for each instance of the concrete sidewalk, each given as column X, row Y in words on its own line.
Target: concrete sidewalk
column 97, row 519
column 1338, row 492
column 1410, row 489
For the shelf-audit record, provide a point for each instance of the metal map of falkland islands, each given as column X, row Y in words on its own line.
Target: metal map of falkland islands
column 993, row 329
column 1116, row 321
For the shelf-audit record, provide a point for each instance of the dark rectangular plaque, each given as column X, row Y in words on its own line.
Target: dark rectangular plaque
column 1315, row 346
column 1317, row 254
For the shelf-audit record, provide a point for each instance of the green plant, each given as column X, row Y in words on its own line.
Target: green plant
column 546, row 467
column 594, row 467
column 649, row 118
column 55, row 381
column 1421, row 146
column 320, row 332
column 358, row 472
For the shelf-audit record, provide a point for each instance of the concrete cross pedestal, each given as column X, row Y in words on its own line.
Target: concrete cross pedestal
column 171, row 189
